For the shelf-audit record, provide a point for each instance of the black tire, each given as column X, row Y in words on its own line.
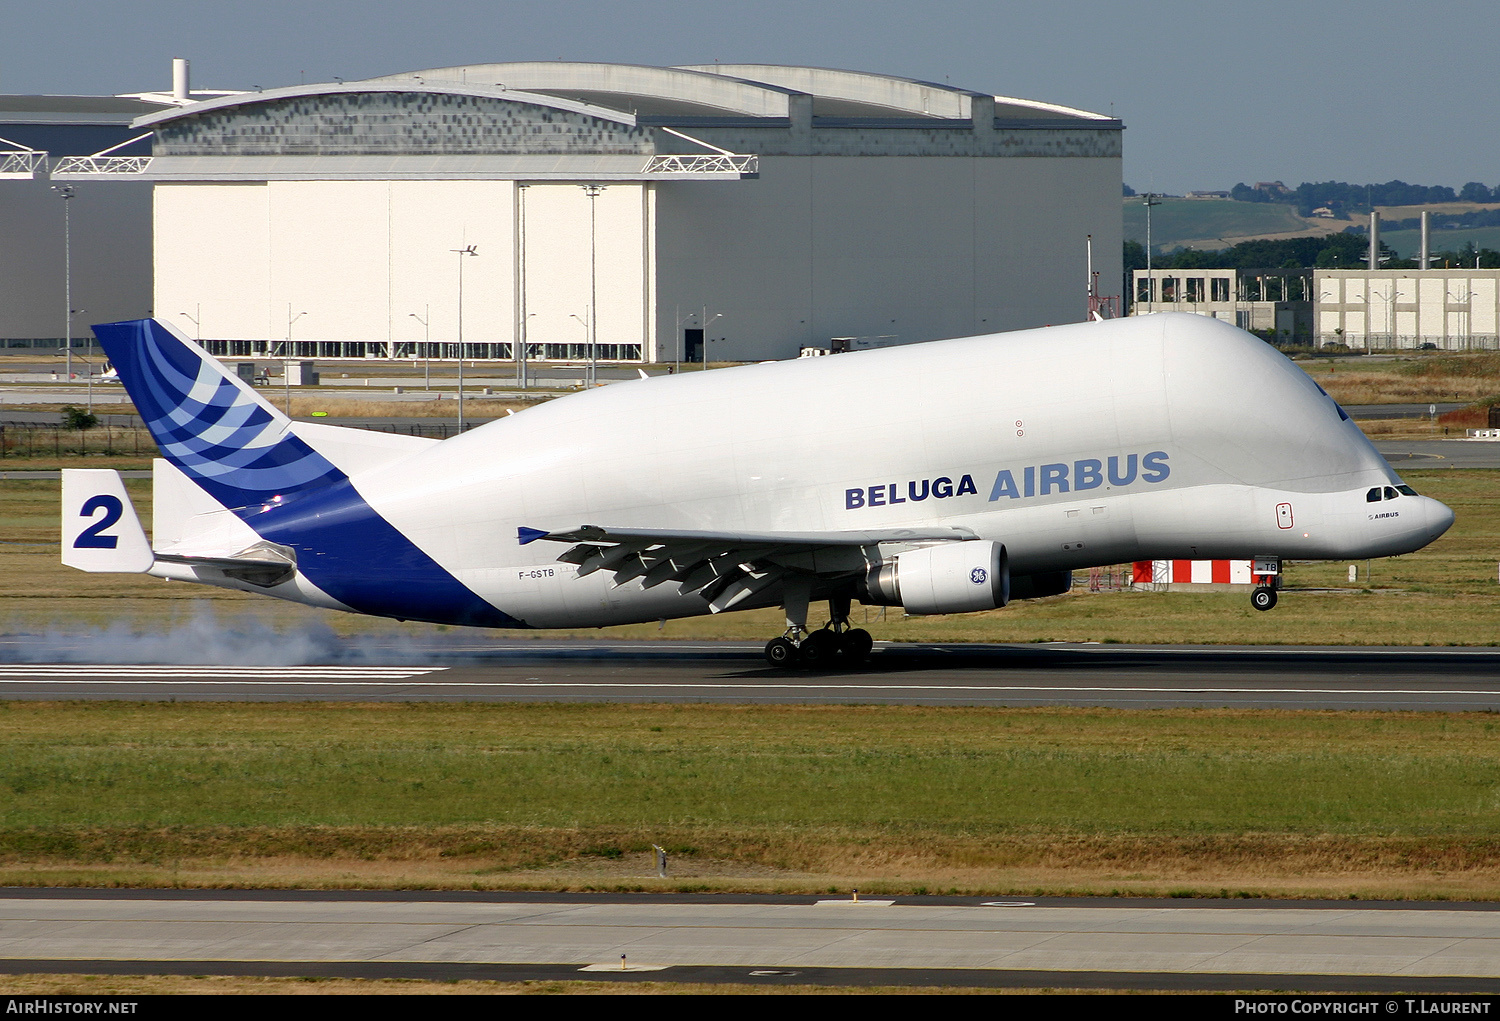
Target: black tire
column 781, row 653
column 1263, row 598
column 856, row 644
column 818, row 648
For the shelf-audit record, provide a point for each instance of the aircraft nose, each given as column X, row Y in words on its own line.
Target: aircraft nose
column 1439, row 518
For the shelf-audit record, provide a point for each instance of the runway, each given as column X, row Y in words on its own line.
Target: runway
column 1012, row 942
column 1121, row 676
column 1410, row 454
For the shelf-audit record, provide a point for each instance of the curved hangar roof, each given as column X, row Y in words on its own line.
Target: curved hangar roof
column 745, row 91
column 538, row 120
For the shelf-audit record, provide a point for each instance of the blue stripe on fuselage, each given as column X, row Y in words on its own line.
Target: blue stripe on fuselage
column 355, row 555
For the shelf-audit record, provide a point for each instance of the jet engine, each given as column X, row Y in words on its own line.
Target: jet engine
column 953, row 577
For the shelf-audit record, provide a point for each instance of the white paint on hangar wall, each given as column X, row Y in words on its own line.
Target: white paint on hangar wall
column 213, row 258
column 559, row 239
column 359, row 256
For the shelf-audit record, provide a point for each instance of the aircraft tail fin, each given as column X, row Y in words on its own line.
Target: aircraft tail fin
column 100, row 530
column 213, row 426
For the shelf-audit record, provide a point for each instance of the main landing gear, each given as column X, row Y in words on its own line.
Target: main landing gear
column 833, row 641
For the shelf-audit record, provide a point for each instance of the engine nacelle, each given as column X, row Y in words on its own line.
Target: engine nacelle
column 954, row 577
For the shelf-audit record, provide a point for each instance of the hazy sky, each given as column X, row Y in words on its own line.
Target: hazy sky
column 1211, row 92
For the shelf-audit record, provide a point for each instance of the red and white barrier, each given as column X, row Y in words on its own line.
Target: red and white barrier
column 1193, row 572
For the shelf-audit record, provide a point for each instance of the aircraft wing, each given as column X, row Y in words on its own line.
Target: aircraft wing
column 727, row 568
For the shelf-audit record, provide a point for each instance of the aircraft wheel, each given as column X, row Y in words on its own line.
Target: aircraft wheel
column 819, row 648
column 857, row 644
column 781, row 653
column 1263, row 598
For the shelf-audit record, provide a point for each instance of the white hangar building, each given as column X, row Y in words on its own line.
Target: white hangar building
column 656, row 212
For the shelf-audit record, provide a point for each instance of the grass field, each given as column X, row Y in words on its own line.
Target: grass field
column 772, row 798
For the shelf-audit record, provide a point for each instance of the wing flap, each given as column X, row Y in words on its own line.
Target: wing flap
column 725, row 568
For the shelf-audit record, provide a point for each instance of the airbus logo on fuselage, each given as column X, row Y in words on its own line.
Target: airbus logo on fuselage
column 1019, row 483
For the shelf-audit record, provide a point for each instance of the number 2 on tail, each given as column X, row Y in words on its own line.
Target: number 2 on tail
column 91, row 538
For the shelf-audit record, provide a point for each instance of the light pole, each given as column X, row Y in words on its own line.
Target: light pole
column 88, row 361
column 197, row 326
column 65, row 192
column 286, row 364
column 526, row 348
column 461, row 252
column 426, row 345
column 706, row 321
column 585, row 324
column 1150, row 200
column 291, row 318
column 593, row 191
column 680, row 320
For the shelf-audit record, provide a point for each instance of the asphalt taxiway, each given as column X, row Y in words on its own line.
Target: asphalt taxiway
column 1123, row 676
column 771, row 939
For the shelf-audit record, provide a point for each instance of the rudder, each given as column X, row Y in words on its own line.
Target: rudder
column 210, row 424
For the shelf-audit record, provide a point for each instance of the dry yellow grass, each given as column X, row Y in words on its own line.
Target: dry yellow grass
column 1351, row 386
column 233, row 985
column 1042, row 864
column 756, row 798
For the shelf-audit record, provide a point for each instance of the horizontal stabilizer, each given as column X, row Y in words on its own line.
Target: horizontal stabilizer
column 100, row 530
column 264, row 564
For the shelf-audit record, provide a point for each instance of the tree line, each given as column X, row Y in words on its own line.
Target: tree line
column 1343, row 197
column 1332, row 251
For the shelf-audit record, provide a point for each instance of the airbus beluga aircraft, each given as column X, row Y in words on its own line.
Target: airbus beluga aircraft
column 943, row 477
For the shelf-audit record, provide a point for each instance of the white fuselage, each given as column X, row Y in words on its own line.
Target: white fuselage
column 1167, row 436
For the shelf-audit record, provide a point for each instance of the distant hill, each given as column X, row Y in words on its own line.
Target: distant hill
column 1214, row 224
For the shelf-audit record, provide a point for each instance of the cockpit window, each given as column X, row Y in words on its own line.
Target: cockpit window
column 1406, row 490
column 1337, row 406
column 1373, row 496
column 1390, row 493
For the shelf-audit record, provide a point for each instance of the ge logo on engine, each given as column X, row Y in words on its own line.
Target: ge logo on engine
column 978, row 575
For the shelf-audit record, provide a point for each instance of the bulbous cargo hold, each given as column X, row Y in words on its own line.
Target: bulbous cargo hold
column 997, row 465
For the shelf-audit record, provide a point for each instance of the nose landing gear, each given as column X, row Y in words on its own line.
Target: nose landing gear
column 1265, row 572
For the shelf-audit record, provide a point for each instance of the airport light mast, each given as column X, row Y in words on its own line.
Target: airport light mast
column 461, row 252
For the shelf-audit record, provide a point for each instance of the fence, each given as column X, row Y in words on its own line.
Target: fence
column 1115, row 578
column 1410, row 342
column 26, row 439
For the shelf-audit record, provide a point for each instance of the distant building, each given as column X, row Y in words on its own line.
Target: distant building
column 726, row 212
column 1447, row 309
column 1273, row 302
column 110, row 220
column 1208, row 194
